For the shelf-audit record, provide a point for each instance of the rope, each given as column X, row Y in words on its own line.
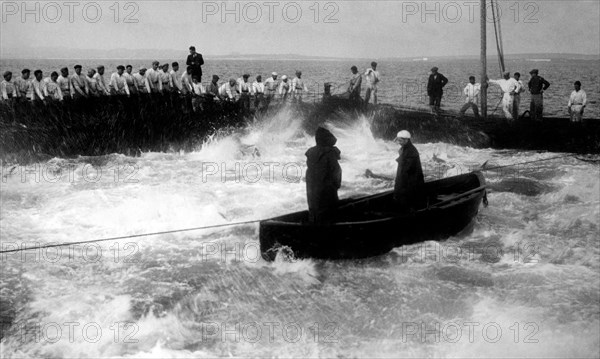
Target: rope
column 137, row 235
column 226, row 224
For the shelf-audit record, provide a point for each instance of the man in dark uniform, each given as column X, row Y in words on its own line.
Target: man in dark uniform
column 537, row 86
column 435, row 90
column 196, row 61
column 408, row 189
column 323, row 177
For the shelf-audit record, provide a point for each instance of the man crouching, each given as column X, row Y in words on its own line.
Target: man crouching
column 323, row 177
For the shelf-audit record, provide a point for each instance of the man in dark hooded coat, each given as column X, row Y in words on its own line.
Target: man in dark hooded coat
column 323, row 176
column 408, row 189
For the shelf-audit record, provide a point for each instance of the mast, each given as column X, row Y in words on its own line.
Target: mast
column 483, row 93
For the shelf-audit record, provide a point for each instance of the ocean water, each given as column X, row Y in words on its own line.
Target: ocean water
column 522, row 281
column 402, row 82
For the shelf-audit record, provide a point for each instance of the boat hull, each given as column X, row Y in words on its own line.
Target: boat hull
column 381, row 230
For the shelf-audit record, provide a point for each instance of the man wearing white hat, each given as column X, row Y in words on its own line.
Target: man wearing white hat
column 408, row 188
column 271, row 85
column 509, row 86
column 284, row 88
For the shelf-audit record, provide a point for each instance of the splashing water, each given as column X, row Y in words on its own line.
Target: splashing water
column 522, row 282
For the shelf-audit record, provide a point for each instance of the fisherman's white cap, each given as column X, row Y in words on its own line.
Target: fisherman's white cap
column 403, row 134
column 284, row 77
column 274, row 73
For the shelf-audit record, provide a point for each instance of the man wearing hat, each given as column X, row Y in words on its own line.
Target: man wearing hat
column 141, row 82
column 258, row 88
column 24, row 86
column 435, row 87
column 298, row 87
column 79, row 84
column 509, row 86
column 323, row 177
column 284, row 88
column 245, row 89
column 408, row 188
column 537, row 86
column 271, row 86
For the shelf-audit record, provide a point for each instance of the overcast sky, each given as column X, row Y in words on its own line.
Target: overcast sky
column 336, row 28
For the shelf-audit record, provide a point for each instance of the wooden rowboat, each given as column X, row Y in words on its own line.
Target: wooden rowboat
column 369, row 226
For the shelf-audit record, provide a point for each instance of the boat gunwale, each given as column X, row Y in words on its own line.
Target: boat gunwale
column 461, row 199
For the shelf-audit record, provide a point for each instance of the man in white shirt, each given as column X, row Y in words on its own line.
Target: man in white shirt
column 79, row 84
column 577, row 103
column 118, row 84
column 52, row 88
column 128, row 75
column 7, row 87
column 154, row 78
column 271, row 86
column 92, row 84
column 508, row 86
column 175, row 78
column 165, row 78
column 258, row 88
column 23, row 85
column 245, row 89
column 197, row 92
column 38, row 86
column 298, row 87
column 471, row 92
column 187, row 81
column 284, row 88
column 103, row 89
column 141, row 81
column 372, row 78
column 228, row 90
column 517, row 97
column 64, row 83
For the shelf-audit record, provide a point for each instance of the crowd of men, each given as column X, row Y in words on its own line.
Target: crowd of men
column 511, row 87
column 166, row 79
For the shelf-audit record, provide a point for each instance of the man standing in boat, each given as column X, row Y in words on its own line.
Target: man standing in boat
column 24, row 86
column 79, row 84
column 471, row 91
column 408, row 188
column 577, row 103
column 537, row 86
column 196, row 61
column 271, row 86
column 435, row 90
column 323, row 176
column 65, row 84
column 7, row 87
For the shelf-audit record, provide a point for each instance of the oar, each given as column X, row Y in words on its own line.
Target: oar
column 370, row 174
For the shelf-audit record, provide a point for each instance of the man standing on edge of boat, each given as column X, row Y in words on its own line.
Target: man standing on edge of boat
column 8, row 88
column 472, row 92
column 372, row 77
column 508, row 86
column 408, row 188
column 196, row 61
column 517, row 97
column 537, row 86
column 435, row 90
column 323, row 176
column 354, row 87
column 577, row 102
